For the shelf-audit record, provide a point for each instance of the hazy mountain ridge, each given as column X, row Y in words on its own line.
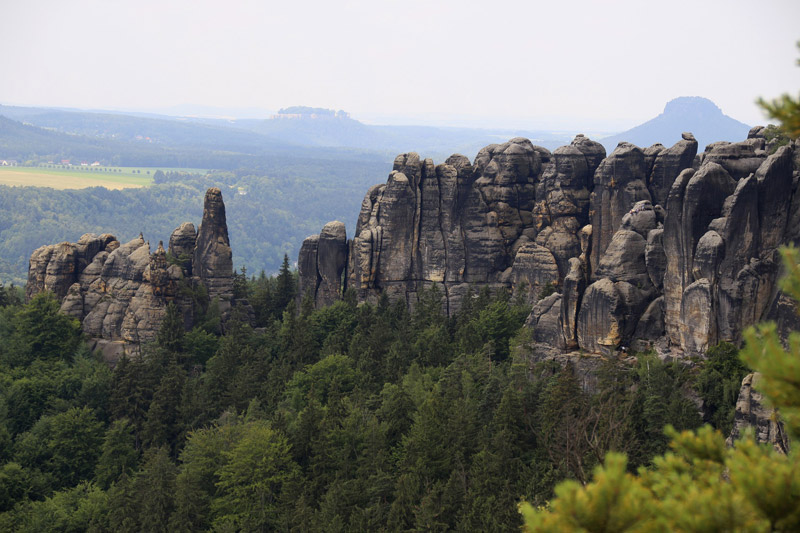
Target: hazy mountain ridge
column 698, row 115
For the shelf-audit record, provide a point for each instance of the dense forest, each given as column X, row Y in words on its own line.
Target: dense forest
column 271, row 209
column 347, row 418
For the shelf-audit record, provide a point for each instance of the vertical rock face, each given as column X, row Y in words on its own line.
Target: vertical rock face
column 181, row 245
column 212, row 262
column 695, row 200
column 752, row 413
column 668, row 164
column 321, row 265
column 619, row 183
column 307, row 275
column 120, row 291
column 660, row 244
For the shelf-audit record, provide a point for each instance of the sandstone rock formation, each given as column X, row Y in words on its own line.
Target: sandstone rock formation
column 752, row 413
column 655, row 247
column 119, row 292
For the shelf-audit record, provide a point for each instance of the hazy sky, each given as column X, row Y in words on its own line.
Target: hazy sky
column 525, row 64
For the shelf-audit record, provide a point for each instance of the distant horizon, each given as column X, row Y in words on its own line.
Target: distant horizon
column 591, row 127
column 536, row 66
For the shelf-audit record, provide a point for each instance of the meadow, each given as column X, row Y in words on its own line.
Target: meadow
column 80, row 177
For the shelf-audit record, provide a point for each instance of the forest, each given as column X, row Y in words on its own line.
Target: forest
column 348, row 418
column 271, row 209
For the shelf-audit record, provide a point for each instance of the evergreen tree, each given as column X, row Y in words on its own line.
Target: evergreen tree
column 118, row 455
column 286, row 287
column 701, row 485
column 785, row 109
column 170, row 334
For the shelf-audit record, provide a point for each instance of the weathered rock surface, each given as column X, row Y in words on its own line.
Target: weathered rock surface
column 752, row 413
column 663, row 245
column 120, row 291
column 668, row 164
column 212, row 262
column 545, row 320
column 321, row 264
column 619, row 183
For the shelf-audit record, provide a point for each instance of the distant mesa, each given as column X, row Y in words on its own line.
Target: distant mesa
column 305, row 112
column 699, row 115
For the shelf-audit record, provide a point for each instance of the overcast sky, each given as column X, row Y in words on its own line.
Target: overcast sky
column 526, row 64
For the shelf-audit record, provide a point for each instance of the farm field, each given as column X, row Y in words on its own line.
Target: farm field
column 81, row 177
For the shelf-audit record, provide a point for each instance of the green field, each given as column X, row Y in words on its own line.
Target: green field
column 78, row 177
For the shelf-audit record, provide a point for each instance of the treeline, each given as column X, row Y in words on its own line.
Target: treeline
column 348, row 418
column 271, row 209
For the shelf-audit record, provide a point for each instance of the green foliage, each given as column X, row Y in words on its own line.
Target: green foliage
column 718, row 384
column 39, row 331
column 349, row 418
column 779, row 367
column 701, row 485
column 786, row 110
column 547, row 290
column 255, row 481
column 118, row 454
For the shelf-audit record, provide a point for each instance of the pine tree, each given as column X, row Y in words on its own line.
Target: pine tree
column 286, row 287
column 785, row 109
column 170, row 334
column 701, row 485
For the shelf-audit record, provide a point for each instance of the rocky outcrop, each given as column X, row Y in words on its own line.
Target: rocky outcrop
column 619, row 183
column 321, row 265
column 751, row 412
column 212, row 261
column 119, row 292
column 658, row 247
column 667, row 164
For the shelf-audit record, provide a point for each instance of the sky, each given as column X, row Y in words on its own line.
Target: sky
column 529, row 64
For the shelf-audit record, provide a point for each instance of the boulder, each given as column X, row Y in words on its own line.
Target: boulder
column 545, row 320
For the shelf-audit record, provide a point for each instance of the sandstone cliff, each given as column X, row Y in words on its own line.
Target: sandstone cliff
column 120, row 292
column 656, row 247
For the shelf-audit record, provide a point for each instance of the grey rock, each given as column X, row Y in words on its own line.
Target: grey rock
column 641, row 218
column 182, row 243
column 654, row 257
column 624, row 259
column 698, row 325
column 738, row 159
column 534, row 269
column 120, row 292
column 599, row 328
column 593, row 151
column 545, row 320
column 307, row 273
column 650, row 154
column 331, row 262
column 619, row 183
column 73, row 302
column 212, row 263
column 650, row 327
column 695, row 199
column 668, row 164
column 572, row 291
column 751, row 412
